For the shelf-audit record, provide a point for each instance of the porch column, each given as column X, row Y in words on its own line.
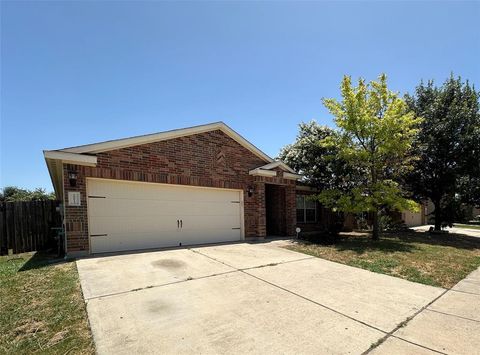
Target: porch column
column 290, row 209
column 261, row 216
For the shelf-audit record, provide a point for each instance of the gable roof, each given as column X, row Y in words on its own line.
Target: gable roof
column 275, row 164
column 161, row 136
column 85, row 154
column 267, row 170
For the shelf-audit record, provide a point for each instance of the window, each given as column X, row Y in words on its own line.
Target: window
column 306, row 210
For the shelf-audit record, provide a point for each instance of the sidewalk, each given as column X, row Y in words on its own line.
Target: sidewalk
column 454, row 230
column 450, row 325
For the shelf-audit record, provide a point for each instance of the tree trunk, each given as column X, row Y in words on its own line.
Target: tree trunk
column 438, row 215
column 376, row 226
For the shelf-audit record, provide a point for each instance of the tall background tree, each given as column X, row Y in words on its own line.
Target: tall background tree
column 448, row 145
column 375, row 131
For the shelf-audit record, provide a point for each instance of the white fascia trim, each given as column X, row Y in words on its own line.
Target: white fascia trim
column 261, row 172
column 291, row 176
column 155, row 137
column 55, row 170
column 277, row 163
column 70, row 158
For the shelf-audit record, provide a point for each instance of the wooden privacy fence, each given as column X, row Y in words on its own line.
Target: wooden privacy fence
column 29, row 226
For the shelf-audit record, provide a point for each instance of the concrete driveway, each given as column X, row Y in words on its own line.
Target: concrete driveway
column 257, row 298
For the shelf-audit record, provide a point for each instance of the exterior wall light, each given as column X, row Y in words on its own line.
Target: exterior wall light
column 250, row 191
column 72, row 178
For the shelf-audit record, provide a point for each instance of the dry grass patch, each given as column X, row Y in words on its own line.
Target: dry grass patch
column 41, row 307
column 437, row 260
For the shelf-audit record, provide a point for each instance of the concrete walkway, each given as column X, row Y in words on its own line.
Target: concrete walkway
column 465, row 231
column 450, row 325
column 263, row 299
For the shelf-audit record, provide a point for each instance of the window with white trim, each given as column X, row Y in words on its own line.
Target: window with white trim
column 306, row 209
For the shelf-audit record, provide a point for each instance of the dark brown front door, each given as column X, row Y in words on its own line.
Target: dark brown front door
column 275, row 210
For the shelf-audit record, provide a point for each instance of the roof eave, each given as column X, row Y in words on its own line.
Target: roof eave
column 291, row 176
column 278, row 163
column 55, row 160
column 155, row 137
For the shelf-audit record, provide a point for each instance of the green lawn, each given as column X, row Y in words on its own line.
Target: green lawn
column 41, row 307
column 438, row 260
column 467, row 226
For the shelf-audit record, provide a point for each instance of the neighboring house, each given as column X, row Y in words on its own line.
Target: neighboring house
column 407, row 218
column 196, row 185
column 413, row 219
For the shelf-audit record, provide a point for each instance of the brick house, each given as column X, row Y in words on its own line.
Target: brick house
column 202, row 184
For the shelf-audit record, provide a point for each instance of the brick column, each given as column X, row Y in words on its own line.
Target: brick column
column 290, row 209
column 76, row 217
column 260, row 202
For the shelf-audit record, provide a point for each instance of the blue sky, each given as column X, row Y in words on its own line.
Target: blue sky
column 80, row 72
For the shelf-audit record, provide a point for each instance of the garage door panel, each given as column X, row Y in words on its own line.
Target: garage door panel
column 128, row 241
column 190, row 237
column 129, row 216
column 146, row 191
column 211, row 208
column 124, row 207
column 204, row 222
column 131, row 224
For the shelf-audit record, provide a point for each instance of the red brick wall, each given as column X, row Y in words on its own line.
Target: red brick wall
column 210, row 159
column 324, row 217
column 76, row 223
column 291, row 208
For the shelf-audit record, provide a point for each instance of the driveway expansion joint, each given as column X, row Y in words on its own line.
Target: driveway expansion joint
column 379, row 331
column 454, row 315
column 469, row 281
column 291, row 292
column 159, row 285
column 405, row 322
column 272, row 264
column 193, row 278
column 467, row 292
column 379, row 342
column 251, row 267
column 420, row 345
column 314, row 302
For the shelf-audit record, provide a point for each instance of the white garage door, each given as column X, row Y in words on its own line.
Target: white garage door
column 129, row 215
column 412, row 219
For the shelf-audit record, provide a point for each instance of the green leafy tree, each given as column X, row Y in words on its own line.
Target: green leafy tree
column 448, row 145
column 13, row 193
column 321, row 167
column 319, row 164
column 375, row 135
